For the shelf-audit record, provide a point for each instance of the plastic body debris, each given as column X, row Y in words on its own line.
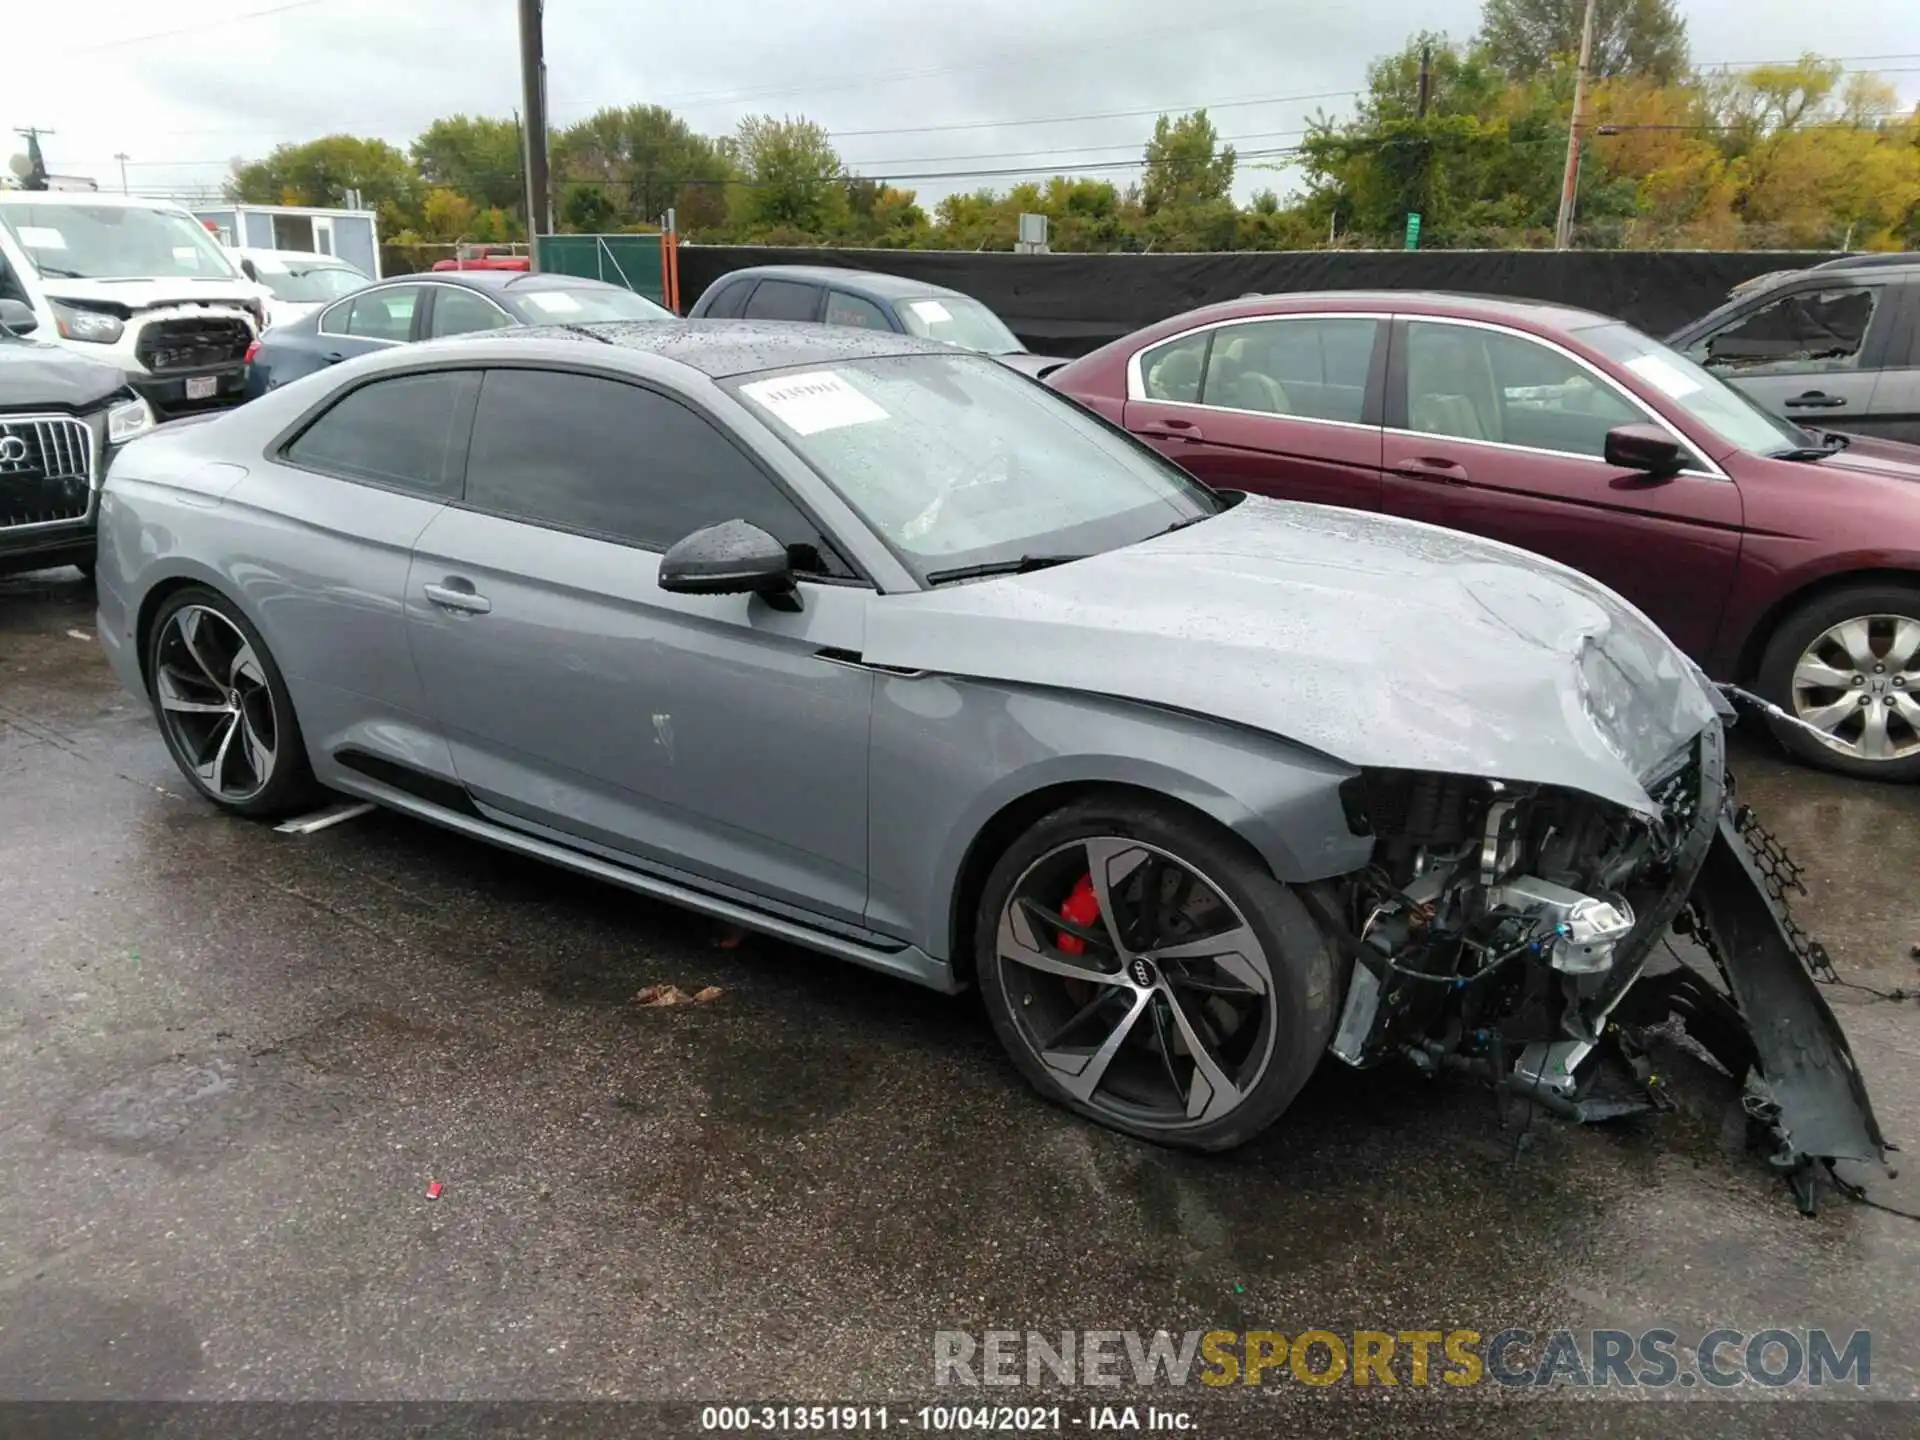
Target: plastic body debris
column 434, row 1187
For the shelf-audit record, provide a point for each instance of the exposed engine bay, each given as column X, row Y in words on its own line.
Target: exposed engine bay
column 1523, row 933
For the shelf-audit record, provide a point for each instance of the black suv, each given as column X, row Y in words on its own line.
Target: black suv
column 61, row 415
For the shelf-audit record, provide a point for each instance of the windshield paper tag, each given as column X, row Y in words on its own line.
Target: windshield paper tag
column 818, row 400
column 1669, row 379
column 554, row 302
column 932, row 311
column 39, row 237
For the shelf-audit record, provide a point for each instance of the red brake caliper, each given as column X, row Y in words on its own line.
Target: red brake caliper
column 1083, row 909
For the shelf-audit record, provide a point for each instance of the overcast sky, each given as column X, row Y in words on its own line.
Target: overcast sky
column 184, row 87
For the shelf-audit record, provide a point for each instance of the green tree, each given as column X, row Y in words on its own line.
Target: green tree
column 1647, row 38
column 646, row 160
column 475, row 155
column 1186, row 164
column 322, row 172
column 791, row 178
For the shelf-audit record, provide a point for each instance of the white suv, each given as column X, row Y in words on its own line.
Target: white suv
column 137, row 283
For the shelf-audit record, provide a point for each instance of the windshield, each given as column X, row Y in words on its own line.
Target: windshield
column 311, row 285
column 1703, row 395
column 957, row 461
column 958, row 321
column 583, row 305
column 114, row 242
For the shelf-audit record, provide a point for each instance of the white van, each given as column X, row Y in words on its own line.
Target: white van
column 137, row 283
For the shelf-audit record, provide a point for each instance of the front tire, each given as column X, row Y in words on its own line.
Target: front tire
column 1144, row 969
column 223, row 707
column 1848, row 663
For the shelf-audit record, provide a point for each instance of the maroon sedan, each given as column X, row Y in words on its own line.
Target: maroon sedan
column 1778, row 557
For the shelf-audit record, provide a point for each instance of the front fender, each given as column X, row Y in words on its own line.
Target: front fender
column 951, row 756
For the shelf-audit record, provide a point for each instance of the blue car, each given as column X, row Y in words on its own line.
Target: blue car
column 433, row 307
column 868, row 300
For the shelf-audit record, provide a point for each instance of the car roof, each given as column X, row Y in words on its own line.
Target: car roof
column 873, row 284
column 312, row 259
column 715, row 348
column 91, row 198
column 495, row 282
column 1498, row 309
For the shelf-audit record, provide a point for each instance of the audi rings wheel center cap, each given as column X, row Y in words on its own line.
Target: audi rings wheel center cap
column 1142, row 973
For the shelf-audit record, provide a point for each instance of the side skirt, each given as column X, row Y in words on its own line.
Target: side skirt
column 909, row 963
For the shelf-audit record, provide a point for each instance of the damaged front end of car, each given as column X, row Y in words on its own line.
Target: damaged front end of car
column 1522, row 932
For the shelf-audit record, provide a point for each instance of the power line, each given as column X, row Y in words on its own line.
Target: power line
column 191, row 29
column 1098, row 115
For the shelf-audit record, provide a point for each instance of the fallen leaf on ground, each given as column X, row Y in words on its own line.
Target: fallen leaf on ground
column 706, row 995
column 656, row 997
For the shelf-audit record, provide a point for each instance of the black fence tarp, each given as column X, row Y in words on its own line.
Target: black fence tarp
column 1070, row 304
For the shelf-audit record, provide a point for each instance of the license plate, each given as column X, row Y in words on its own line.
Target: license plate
column 202, row 387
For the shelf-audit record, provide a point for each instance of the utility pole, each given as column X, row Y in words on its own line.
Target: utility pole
column 1563, row 227
column 1426, row 78
column 121, row 156
column 533, row 83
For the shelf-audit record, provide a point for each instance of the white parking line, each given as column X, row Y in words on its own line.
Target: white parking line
column 321, row 819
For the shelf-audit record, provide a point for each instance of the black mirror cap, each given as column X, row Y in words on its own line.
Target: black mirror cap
column 1644, row 447
column 248, row 268
column 18, row 317
column 731, row 558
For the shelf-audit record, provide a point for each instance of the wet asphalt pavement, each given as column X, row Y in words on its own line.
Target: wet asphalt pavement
column 231, row 1061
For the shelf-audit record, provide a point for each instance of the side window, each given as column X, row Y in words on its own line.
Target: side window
column 409, row 433
column 1809, row 332
column 1172, row 371
column 614, row 460
column 726, row 305
column 382, row 314
column 333, row 320
column 782, row 300
column 1315, row 368
column 1475, row 384
column 845, row 309
column 461, row 312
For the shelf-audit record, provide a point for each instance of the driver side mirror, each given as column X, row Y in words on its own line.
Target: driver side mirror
column 18, row 317
column 1644, row 447
column 248, row 268
column 731, row 558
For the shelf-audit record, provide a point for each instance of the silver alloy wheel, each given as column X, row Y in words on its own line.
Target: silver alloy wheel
column 1159, row 1009
column 1859, row 683
column 216, row 703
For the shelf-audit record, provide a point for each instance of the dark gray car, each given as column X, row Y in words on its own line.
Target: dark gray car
column 876, row 646
column 1836, row 346
column 868, row 300
column 61, row 416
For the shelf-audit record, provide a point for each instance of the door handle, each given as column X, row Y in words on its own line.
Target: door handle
column 1170, row 430
column 1432, row 469
column 1816, row 400
column 458, row 596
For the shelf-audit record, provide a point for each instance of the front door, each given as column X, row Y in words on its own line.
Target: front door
column 1811, row 351
column 1499, row 434
column 704, row 735
column 1285, row 406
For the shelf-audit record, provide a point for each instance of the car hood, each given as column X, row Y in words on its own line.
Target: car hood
column 1380, row 642
column 1887, row 458
column 141, row 294
column 34, row 374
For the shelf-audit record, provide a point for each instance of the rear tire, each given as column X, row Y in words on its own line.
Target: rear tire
column 1849, row 662
column 1210, row 950
column 224, row 709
